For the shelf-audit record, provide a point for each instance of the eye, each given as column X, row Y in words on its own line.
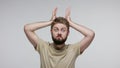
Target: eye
column 63, row 29
column 55, row 29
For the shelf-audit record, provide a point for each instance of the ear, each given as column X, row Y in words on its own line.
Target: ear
column 51, row 30
column 68, row 32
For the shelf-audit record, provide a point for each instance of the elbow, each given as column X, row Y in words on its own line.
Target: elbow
column 27, row 27
column 91, row 34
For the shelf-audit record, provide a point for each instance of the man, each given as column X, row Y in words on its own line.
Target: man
column 58, row 54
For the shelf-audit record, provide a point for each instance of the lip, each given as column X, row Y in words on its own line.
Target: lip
column 59, row 37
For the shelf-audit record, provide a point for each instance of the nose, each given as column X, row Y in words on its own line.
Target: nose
column 59, row 35
column 59, row 32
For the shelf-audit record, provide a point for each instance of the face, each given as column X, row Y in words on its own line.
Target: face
column 59, row 33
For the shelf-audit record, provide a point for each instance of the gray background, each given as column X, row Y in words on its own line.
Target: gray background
column 100, row 15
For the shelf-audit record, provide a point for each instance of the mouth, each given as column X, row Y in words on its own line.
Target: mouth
column 59, row 37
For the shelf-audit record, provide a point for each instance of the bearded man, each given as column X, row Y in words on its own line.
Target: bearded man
column 58, row 54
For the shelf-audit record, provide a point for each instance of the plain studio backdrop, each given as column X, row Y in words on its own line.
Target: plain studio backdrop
column 103, row 16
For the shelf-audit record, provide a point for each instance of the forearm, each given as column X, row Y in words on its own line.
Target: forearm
column 37, row 25
column 30, row 28
column 88, row 33
column 82, row 29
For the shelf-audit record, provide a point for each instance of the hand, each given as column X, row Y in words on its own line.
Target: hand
column 54, row 14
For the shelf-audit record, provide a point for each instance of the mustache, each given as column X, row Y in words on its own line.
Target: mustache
column 59, row 35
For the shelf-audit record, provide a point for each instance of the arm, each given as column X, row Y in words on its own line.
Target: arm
column 30, row 29
column 88, row 33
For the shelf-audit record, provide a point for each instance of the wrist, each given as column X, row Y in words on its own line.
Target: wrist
column 50, row 22
column 70, row 23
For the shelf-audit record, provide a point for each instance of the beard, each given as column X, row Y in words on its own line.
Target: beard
column 58, row 41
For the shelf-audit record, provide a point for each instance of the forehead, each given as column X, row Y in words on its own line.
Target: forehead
column 59, row 25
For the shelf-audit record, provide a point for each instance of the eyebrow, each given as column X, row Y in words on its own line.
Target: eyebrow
column 61, row 28
column 55, row 28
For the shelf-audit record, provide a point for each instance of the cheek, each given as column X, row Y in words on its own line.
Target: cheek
column 53, row 34
column 65, row 35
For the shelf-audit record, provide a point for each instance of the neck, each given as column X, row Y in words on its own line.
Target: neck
column 59, row 47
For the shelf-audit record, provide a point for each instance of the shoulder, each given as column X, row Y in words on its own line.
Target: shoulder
column 75, row 47
column 42, row 44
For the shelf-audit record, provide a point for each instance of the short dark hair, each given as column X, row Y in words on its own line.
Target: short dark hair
column 61, row 20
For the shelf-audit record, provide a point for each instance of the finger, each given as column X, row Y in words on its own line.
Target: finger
column 67, row 14
column 54, row 12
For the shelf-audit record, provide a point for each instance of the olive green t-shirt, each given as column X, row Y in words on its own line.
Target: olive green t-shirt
column 52, row 58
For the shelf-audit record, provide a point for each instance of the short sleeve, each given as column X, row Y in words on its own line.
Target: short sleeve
column 41, row 45
column 76, row 47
